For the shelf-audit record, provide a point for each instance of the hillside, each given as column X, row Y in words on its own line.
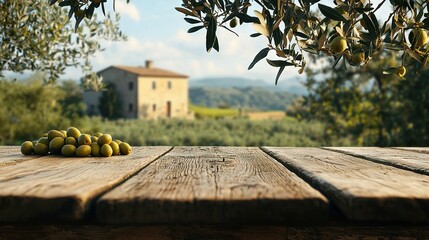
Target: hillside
column 249, row 98
column 291, row 86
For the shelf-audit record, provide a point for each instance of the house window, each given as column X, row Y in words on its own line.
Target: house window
column 154, row 107
column 130, row 107
column 154, row 85
column 130, row 85
column 169, row 84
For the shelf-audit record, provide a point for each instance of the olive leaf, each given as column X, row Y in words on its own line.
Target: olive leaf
column 191, row 20
column 211, row 34
column 184, row 11
column 279, row 73
column 281, row 64
column 194, row 29
column 262, row 54
column 331, row 13
column 370, row 26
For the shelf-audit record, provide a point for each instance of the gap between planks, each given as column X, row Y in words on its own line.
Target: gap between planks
column 54, row 188
column 413, row 149
column 407, row 160
column 207, row 185
column 363, row 190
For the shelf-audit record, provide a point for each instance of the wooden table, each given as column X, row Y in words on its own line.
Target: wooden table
column 217, row 193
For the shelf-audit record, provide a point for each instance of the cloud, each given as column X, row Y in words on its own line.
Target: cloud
column 185, row 53
column 130, row 10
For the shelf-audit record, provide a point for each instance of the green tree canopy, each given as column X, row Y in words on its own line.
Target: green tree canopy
column 373, row 108
column 35, row 36
column 110, row 103
column 347, row 29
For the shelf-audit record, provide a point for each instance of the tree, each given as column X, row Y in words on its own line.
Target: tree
column 73, row 107
column 29, row 108
column 348, row 29
column 110, row 103
column 373, row 108
column 35, row 36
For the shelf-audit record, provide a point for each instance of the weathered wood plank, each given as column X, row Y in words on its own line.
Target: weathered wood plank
column 7, row 149
column 213, row 185
column 417, row 162
column 11, row 155
column 361, row 189
column 414, row 149
column 198, row 232
column 55, row 188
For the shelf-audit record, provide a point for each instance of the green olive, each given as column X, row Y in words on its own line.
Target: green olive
column 44, row 140
column 106, row 150
column 68, row 150
column 56, row 144
column 84, row 139
column 125, row 148
column 73, row 132
column 104, row 139
column 41, row 149
column 55, row 133
column 115, row 148
column 99, row 134
column 95, row 150
column 27, row 148
column 71, row 141
column 83, row 151
column 94, row 138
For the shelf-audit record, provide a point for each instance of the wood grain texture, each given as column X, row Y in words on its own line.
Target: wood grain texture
column 198, row 232
column 11, row 155
column 413, row 161
column 361, row 189
column 414, row 149
column 57, row 188
column 213, row 185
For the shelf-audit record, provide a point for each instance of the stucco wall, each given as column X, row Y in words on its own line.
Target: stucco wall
column 149, row 103
column 128, row 97
column 153, row 102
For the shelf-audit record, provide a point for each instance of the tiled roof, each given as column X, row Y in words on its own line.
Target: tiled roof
column 150, row 72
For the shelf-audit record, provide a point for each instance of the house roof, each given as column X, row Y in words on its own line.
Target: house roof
column 150, row 72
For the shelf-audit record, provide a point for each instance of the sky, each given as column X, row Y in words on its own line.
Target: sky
column 156, row 31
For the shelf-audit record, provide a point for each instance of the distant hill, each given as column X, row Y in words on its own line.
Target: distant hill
column 249, row 98
column 291, row 86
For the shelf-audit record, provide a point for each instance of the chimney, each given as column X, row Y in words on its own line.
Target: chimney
column 149, row 64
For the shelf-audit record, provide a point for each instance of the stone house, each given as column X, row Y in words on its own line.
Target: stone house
column 144, row 92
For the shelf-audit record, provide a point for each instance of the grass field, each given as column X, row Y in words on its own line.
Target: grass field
column 271, row 115
column 204, row 112
column 214, row 132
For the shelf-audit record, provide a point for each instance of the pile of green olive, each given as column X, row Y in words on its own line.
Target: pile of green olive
column 72, row 143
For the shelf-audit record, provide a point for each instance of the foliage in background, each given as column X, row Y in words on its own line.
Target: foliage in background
column 202, row 112
column 35, row 36
column 372, row 108
column 347, row 29
column 110, row 104
column 413, row 96
column 72, row 104
column 246, row 98
column 207, row 132
column 28, row 108
column 214, row 132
